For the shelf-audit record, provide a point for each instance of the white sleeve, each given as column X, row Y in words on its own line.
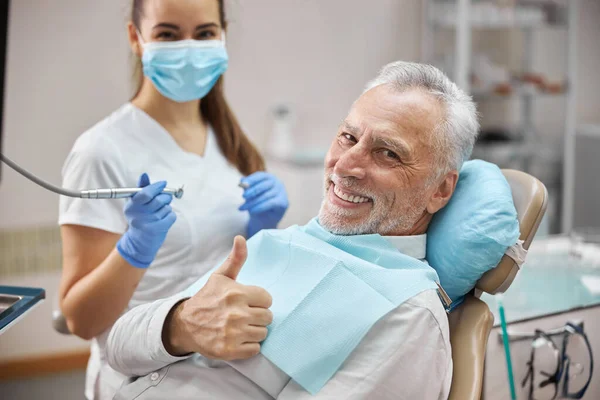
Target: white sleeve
column 406, row 355
column 93, row 168
column 134, row 346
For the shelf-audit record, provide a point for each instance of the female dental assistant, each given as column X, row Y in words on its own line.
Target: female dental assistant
column 179, row 129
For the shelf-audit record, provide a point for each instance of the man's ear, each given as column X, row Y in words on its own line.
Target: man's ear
column 443, row 192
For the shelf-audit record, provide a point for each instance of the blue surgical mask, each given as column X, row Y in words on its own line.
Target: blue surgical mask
column 184, row 70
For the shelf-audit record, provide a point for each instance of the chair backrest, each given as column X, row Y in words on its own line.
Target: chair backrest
column 471, row 322
column 531, row 200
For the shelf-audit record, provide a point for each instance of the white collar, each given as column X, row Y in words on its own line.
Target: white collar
column 412, row 246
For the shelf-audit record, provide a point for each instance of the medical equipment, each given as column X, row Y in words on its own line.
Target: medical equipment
column 574, row 337
column 16, row 302
column 320, row 268
column 243, row 185
column 550, row 365
column 544, row 369
column 112, row 193
column 509, row 368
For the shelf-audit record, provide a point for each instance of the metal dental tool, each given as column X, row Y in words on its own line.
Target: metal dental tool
column 112, row 193
column 243, row 185
column 119, row 193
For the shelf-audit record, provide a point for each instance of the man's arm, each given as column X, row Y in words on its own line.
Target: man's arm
column 221, row 319
column 406, row 355
column 135, row 346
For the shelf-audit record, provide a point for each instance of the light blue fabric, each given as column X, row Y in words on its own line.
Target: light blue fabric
column 184, row 70
column 471, row 234
column 328, row 291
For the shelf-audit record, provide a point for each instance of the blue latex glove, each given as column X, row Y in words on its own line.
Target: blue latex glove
column 266, row 201
column 150, row 217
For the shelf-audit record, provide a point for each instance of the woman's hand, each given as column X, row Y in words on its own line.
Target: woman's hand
column 266, row 201
column 150, row 217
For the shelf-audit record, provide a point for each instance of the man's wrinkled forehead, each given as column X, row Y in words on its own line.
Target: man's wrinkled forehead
column 410, row 115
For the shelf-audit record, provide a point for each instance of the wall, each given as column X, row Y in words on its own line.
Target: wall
column 315, row 55
column 588, row 99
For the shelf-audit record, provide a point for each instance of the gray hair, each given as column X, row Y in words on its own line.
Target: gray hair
column 454, row 139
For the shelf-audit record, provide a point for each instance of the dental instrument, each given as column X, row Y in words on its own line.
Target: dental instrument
column 511, row 379
column 243, row 185
column 110, row 193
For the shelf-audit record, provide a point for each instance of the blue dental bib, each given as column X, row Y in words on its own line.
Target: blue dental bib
column 328, row 291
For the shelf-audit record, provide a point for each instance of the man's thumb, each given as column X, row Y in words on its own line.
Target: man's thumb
column 233, row 264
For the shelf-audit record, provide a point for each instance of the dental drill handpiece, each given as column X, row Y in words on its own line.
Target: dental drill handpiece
column 113, row 193
column 120, row 193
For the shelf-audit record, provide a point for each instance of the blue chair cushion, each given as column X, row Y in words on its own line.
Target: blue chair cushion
column 470, row 235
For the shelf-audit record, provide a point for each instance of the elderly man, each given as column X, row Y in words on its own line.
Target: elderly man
column 393, row 164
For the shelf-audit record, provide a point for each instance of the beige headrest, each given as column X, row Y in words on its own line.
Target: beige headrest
column 531, row 200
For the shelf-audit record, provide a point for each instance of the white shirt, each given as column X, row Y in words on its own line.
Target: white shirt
column 405, row 355
column 114, row 153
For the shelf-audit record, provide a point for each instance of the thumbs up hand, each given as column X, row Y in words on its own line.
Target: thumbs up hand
column 225, row 320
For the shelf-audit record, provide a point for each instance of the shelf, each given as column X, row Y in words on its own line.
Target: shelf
column 489, row 16
column 465, row 20
column 518, row 91
column 445, row 24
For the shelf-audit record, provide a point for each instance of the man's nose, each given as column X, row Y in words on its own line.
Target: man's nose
column 352, row 163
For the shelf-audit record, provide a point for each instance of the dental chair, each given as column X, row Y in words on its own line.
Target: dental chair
column 471, row 322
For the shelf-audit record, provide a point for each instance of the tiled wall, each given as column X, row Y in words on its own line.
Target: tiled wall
column 30, row 251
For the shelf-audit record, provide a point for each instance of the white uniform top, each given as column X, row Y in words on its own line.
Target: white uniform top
column 114, row 153
column 405, row 355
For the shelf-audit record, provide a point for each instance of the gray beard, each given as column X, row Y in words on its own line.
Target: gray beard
column 380, row 221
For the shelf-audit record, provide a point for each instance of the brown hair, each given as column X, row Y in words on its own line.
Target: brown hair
column 234, row 144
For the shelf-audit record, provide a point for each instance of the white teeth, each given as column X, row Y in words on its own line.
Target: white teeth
column 349, row 198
